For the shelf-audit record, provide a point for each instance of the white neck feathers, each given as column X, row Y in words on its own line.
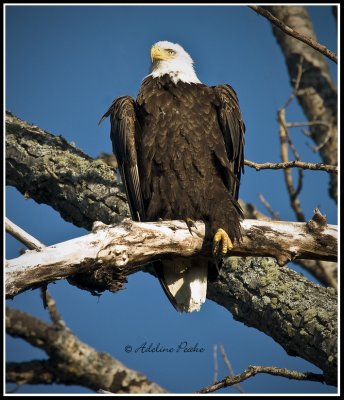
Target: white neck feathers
column 176, row 69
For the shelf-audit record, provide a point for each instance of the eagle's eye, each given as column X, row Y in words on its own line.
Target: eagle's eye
column 171, row 52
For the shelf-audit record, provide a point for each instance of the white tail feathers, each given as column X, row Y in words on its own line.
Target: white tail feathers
column 186, row 281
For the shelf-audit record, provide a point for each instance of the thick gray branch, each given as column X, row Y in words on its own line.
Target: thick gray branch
column 51, row 171
column 299, row 315
column 72, row 361
column 125, row 246
column 317, row 94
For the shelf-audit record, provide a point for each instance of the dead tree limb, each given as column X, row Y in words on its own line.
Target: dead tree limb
column 297, row 35
column 85, row 367
column 130, row 244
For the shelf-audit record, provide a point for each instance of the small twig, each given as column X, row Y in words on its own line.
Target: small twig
column 229, row 367
column 300, row 171
column 216, row 365
column 296, row 84
column 322, row 144
column 22, row 236
column 266, row 204
column 254, row 370
column 293, row 164
column 294, row 200
column 306, row 133
column 284, row 141
column 310, row 123
column 289, row 31
column 51, row 306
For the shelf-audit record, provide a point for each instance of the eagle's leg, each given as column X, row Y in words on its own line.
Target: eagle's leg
column 222, row 239
column 190, row 224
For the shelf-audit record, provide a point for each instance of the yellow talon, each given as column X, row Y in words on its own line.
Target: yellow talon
column 222, row 237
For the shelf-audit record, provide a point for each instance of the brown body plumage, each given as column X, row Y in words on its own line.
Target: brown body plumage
column 180, row 152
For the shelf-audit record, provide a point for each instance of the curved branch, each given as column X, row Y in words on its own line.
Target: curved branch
column 289, row 31
column 253, row 370
column 85, row 367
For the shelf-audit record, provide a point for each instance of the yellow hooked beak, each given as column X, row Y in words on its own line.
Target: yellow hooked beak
column 157, row 54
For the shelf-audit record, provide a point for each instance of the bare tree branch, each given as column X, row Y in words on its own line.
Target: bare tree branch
column 289, row 31
column 266, row 204
column 85, row 367
column 254, row 370
column 52, row 309
column 130, row 244
column 293, row 164
column 316, row 92
column 22, row 236
column 229, row 367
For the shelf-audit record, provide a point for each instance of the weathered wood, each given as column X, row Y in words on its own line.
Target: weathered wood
column 130, row 244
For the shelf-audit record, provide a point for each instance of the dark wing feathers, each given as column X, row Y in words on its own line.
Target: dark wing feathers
column 233, row 130
column 124, row 135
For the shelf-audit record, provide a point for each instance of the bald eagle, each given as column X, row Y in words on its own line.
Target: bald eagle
column 179, row 148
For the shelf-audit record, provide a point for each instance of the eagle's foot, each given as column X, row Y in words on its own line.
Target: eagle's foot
column 190, row 224
column 221, row 243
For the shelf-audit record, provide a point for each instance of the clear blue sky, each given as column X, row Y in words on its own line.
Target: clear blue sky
column 64, row 66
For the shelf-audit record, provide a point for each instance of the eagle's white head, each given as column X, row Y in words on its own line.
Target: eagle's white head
column 170, row 58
